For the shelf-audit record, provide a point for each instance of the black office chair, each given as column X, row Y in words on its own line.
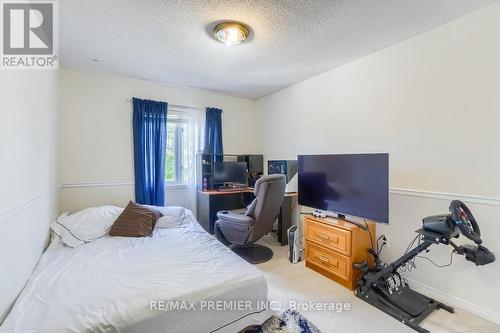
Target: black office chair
column 240, row 231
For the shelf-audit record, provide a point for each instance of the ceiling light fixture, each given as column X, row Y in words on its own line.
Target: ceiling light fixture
column 231, row 32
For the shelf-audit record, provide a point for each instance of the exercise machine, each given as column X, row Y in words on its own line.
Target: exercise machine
column 383, row 287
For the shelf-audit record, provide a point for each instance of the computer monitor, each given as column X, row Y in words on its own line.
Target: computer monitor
column 230, row 172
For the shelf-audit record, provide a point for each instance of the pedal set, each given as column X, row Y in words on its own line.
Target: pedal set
column 394, row 282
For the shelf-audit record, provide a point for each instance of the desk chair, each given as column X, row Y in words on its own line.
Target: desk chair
column 240, row 231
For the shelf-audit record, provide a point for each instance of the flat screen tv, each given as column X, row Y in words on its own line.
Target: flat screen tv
column 230, row 172
column 346, row 184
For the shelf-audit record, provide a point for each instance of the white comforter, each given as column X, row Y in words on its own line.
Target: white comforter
column 108, row 285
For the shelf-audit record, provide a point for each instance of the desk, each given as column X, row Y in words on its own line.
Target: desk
column 209, row 203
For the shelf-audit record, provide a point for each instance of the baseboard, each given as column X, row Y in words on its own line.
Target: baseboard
column 455, row 301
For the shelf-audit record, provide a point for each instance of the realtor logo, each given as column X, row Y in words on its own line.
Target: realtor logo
column 29, row 35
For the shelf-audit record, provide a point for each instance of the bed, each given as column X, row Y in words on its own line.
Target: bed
column 181, row 279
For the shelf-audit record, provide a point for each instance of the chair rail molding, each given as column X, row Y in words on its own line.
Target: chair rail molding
column 98, row 184
column 25, row 204
column 483, row 200
column 117, row 184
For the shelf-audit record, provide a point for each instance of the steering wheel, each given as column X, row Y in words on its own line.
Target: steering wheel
column 465, row 221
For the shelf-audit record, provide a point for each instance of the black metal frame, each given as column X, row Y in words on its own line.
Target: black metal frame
column 385, row 289
column 373, row 297
column 370, row 287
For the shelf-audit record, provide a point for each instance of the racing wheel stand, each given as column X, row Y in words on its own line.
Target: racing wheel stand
column 384, row 288
column 388, row 291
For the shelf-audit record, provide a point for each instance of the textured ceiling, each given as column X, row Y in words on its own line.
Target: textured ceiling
column 167, row 41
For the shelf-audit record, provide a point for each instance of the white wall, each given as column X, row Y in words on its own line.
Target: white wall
column 433, row 103
column 96, row 134
column 28, row 174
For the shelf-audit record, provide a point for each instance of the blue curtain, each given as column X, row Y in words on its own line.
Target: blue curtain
column 213, row 133
column 150, row 141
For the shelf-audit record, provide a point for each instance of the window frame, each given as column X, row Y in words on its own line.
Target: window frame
column 178, row 154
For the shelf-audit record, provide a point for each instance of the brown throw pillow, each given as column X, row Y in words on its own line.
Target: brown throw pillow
column 135, row 221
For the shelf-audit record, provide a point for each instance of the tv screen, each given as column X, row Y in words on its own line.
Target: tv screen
column 234, row 172
column 349, row 184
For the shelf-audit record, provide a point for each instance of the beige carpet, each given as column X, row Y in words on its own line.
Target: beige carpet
column 288, row 282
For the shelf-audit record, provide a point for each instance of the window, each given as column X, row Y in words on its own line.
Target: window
column 176, row 160
column 183, row 136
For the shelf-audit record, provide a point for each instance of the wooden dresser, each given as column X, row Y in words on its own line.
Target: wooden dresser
column 333, row 245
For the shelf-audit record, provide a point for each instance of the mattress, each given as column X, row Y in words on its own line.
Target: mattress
column 178, row 280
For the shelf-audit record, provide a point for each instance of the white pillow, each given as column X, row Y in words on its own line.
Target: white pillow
column 86, row 225
column 173, row 216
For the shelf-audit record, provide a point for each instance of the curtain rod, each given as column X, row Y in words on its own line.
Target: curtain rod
column 175, row 106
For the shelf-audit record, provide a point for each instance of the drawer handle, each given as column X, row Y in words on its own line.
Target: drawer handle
column 324, row 236
column 325, row 259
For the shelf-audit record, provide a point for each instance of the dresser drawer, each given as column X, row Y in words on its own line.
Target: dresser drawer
column 333, row 238
column 329, row 260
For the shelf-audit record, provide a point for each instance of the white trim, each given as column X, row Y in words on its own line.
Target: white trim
column 491, row 201
column 455, row 301
column 98, row 184
column 13, row 211
column 483, row 200
column 176, row 186
column 115, row 184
